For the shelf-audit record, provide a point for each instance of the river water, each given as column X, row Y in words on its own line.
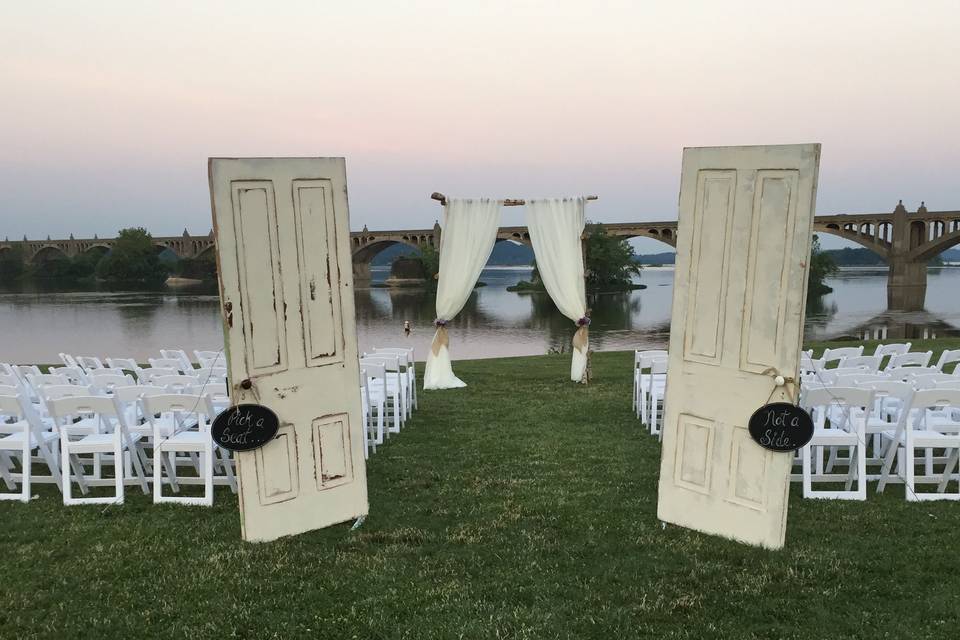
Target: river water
column 37, row 322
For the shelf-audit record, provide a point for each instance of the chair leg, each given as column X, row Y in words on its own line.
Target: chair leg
column 207, row 459
column 26, row 467
column 948, row 470
column 910, row 489
column 6, row 464
column 807, row 478
column 118, row 472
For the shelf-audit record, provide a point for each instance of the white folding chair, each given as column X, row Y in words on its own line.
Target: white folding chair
column 217, row 401
column 839, row 415
column 840, row 354
column 207, row 359
column 104, row 384
column 656, row 392
column 809, row 365
column 179, row 355
column 641, row 363
column 89, row 362
column 145, row 375
column 381, row 395
column 872, row 363
column 895, row 349
column 396, row 382
column 645, row 376
column 22, row 433
column 112, row 437
column 369, row 439
column 933, row 424
column 906, row 360
column 74, row 375
column 411, row 368
column 168, row 363
column 891, row 407
column 68, row 360
column 948, row 357
column 180, row 425
column 43, row 379
column 125, row 364
column 176, row 383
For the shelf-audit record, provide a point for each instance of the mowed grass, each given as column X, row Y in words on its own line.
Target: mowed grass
column 522, row 506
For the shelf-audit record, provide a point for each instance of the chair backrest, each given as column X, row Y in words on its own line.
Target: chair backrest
column 109, row 381
column 647, row 360
column 894, row 349
column 210, row 358
column 638, row 354
column 103, row 407
column 24, row 370
column 68, row 360
column 178, row 354
column 953, row 382
column 106, row 371
column 10, row 390
column 75, row 375
column 819, row 401
column 861, row 379
column 844, row 370
column 659, row 366
column 949, row 356
column 872, row 363
column 166, row 363
column 936, row 399
column 916, row 359
column 391, row 362
column 56, row 391
column 216, row 389
column 147, row 374
column 808, row 363
column 829, row 355
column 89, row 362
column 127, row 364
column 376, row 371
column 40, row 379
column 10, row 380
column 179, row 405
column 176, row 382
column 133, row 392
column 212, row 374
column 909, row 373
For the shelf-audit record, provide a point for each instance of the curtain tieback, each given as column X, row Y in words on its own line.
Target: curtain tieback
column 582, row 336
column 440, row 339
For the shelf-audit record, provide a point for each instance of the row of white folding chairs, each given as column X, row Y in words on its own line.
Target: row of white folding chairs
column 118, row 423
column 649, row 386
column 897, row 356
column 388, row 385
column 169, row 358
column 878, row 422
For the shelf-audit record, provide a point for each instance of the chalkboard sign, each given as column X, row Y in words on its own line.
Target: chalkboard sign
column 781, row 427
column 244, row 427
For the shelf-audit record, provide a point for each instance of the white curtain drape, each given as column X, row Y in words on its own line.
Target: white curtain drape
column 556, row 226
column 467, row 236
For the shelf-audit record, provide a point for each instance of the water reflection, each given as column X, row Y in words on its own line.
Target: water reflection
column 40, row 320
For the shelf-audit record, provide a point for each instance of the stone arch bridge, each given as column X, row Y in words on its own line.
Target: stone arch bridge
column 907, row 241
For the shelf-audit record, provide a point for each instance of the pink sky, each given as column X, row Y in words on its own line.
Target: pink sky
column 109, row 110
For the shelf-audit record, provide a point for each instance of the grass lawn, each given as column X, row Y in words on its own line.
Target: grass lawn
column 520, row 507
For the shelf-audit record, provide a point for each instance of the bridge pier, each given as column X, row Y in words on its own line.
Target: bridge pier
column 907, row 278
column 361, row 272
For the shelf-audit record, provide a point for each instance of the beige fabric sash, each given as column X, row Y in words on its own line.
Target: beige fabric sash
column 581, row 338
column 440, row 340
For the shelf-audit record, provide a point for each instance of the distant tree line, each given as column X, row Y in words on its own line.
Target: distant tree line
column 133, row 259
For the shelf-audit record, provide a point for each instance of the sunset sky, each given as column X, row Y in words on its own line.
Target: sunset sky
column 109, row 110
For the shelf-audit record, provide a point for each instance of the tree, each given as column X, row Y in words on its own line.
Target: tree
column 11, row 263
column 822, row 267
column 429, row 258
column 611, row 261
column 132, row 259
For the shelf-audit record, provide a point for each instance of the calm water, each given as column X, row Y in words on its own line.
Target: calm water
column 36, row 324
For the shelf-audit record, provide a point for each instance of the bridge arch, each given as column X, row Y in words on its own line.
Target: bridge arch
column 666, row 236
column 936, row 247
column 48, row 253
column 864, row 239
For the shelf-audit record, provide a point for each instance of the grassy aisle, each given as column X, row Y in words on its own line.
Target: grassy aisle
column 520, row 507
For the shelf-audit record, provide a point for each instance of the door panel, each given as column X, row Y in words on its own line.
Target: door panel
column 283, row 251
column 746, row 219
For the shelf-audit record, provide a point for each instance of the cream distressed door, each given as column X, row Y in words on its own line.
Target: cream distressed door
column 746, row 218
column 286, row 293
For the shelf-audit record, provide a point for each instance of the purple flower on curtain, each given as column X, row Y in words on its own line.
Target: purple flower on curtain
column 583, row 322
column 439, row 322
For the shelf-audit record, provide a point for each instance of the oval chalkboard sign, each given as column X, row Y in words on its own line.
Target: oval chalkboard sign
column 781, row 426
column 244, row 427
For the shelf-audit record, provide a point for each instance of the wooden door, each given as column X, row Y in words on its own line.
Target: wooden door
column 286, row 292
column 746, row 219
